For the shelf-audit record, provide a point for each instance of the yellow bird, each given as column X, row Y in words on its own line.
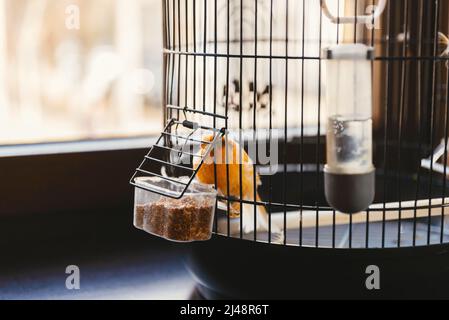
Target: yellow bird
column 229, row 152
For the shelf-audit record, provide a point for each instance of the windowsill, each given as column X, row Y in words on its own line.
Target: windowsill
column 116, row 260
column 146, row 275
column 76, row 146
column 80, row 176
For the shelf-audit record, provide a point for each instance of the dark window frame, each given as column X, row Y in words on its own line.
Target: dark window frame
column 81, row 177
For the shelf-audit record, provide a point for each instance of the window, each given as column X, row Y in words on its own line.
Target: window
column 79, row 69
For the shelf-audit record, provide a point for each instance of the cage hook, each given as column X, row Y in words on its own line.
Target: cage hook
column 180, row 152
column 184, row 111
column 354, row 19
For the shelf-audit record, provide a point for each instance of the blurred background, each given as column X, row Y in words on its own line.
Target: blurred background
column 79, row 69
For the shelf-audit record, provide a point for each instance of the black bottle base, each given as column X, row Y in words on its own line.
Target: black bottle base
column 349, row 193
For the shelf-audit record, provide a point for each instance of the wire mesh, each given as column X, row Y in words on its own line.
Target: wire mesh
column 171, row 157
column 253, row 67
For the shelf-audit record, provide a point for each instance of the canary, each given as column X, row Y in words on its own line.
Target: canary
column 224, row 160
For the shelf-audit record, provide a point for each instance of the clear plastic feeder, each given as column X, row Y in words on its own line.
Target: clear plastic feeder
column 349, row 172
column 187, row 219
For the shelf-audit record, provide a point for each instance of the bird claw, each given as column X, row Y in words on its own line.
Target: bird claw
column 248, row 228
column 278, row 237
column 277, row 234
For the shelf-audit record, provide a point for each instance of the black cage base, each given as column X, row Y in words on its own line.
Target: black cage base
column 238, row 269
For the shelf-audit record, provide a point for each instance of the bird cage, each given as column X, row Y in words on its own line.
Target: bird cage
column 258, row 71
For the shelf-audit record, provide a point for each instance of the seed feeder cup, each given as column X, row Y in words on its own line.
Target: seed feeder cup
column 186, row 219
column 168, row 202
column 349, row 175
